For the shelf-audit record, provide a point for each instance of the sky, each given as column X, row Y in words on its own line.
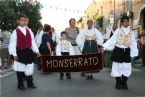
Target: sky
column 58, row 12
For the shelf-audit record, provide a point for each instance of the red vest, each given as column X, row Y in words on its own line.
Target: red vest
column 23, row 41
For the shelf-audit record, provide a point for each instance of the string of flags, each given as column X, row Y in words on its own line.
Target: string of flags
column 63, row 9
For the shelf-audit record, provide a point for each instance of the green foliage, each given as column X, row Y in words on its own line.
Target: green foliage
column 99, row 22
column 7, row 15
column 9, row 9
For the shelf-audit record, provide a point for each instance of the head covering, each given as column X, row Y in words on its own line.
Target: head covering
column 92, row 25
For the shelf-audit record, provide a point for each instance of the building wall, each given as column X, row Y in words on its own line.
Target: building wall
column 136, row 8
column 105, row 7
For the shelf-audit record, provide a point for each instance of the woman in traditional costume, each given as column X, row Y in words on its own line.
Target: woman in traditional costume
column 89, row 40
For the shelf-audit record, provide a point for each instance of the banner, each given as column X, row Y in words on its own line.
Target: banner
column 76, row 63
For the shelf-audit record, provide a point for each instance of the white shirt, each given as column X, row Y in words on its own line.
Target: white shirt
column 13, row 41
column 112, row 42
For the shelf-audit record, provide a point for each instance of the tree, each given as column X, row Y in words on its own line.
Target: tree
column 32, row 11
column 99, row 22
column 9, row 9
column 7, row 16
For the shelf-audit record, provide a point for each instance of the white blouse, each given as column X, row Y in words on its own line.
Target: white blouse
column 81, row 37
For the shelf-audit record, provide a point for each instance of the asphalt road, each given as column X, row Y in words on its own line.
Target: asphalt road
column 49, row 85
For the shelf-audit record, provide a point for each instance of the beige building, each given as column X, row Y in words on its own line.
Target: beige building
column 112, row 10
column 138, row 10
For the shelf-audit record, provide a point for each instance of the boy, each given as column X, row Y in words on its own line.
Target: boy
column 64, row 47
column 125, row 47
column 21, row 47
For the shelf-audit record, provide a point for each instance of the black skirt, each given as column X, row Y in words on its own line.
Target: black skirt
column 25, row 56
column 121, row 55
column 90, row 47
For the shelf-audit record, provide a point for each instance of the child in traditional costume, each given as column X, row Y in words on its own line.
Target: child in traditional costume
column 124, row 48
column 21, row 47
column 64, row 48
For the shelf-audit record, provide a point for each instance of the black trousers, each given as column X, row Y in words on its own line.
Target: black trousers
column 25, row 56
column 143, row 54
column 121, row 55
column 21, row 77
column 67, row 73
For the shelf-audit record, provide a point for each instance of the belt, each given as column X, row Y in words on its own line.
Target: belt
column 74, row 44
column 90, row 38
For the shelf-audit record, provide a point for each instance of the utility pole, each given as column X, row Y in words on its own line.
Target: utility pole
column 114, row 10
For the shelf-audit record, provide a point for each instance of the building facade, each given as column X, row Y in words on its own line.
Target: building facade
column 112, row 10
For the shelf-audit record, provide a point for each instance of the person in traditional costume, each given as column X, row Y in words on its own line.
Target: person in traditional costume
column 89, row 40
column 54, row 38
column 107, row 54
column 21, row 47
column 64, row 48
column 124, row 48
column 38, row 39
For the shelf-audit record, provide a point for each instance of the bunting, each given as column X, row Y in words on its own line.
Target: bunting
column 63, row 9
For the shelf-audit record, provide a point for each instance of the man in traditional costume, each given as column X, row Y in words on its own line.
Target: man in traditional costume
column 124, row 48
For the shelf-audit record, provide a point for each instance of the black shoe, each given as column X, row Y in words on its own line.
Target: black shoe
column 118, row 83
column 22, row 88
column 68, row 77
column 91, row 77
column 142, row 65
column 32, row 87
column 87, row 77
column 61, row 78
column 124, row 86
column 83, row 74
column 124, row 82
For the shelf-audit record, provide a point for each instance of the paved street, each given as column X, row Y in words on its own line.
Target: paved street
column 49, row 85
